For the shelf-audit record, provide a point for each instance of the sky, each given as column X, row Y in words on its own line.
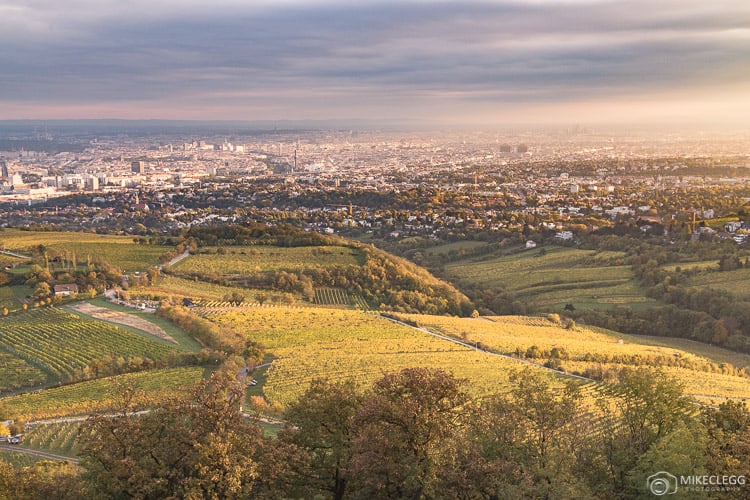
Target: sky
column 459, row 63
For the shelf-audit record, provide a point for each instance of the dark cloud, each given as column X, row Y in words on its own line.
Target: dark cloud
column 100, row 52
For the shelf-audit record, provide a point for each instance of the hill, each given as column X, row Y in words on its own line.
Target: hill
column 289, row 261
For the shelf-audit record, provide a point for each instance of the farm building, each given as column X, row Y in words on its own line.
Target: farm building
column 66, row 289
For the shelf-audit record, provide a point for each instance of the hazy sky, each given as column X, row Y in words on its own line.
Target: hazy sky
column 463, row 63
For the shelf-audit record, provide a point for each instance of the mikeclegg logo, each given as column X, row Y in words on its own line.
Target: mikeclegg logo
column 663, row 483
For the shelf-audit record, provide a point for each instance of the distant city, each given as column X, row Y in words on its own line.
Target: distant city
column 394, row 184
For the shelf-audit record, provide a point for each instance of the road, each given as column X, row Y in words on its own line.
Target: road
column 6, row 252
column 14, row 448
column 177, row 259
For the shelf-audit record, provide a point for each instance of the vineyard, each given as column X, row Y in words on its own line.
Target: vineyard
column 17, row 373
column 99, row 395
column 60, row 439
column 736, row 282
column 61, row 344
column 120, row 251
column 339, row 297
column 18, row 460
column 581, row 349
column 173, row 286
column 560, row 276
column 314, row 343
column 249, row 260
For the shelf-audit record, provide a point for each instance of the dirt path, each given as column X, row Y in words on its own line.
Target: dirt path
column 122, row 318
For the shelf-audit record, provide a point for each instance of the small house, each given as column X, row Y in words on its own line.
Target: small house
column 66, row 290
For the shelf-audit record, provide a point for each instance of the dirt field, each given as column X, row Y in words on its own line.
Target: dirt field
column 122, row 318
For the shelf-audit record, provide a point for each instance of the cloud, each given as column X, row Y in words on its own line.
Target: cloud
column 383, row 57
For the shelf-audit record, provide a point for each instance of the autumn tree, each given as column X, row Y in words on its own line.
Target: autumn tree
column 321, row 423
column 403, row 425
column 197, row 447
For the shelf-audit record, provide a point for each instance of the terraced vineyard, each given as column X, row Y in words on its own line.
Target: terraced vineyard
column 705, row 373
column 313, row 343
column 586, row 279
column 248, row 260
column 99, row 395
column 61, row 344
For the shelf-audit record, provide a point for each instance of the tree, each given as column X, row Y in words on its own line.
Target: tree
column 403, row 426
column 45, row 479
column 643, row 406
column 321, row 423
column 538, row 428
column 198, row 447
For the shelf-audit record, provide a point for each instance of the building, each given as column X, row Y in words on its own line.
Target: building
column 138, row 167
column 66, row 290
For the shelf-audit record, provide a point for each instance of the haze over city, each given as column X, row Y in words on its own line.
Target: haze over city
column 482, row 63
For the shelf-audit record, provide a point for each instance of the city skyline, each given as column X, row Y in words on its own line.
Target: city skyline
column 485, row 63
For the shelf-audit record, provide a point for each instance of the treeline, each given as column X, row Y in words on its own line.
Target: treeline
column 414, row 434
column 282, row 235
column 110, row 365
column 209, row 334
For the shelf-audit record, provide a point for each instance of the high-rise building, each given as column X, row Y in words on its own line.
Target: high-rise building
column 4, row 169
column 138, row 167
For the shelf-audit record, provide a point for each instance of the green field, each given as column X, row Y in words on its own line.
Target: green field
column 454, row 247
column 117, row 250
column 249, row 260
column 99, row 395
column 62, row 344
column 8, row 299
column 736, row 282
column 582, row 348
column 201, row 291
column 583, row 278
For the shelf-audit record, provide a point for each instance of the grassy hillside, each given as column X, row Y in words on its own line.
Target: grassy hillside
column 287, row 260
column 552, row 278
column 120, row 251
